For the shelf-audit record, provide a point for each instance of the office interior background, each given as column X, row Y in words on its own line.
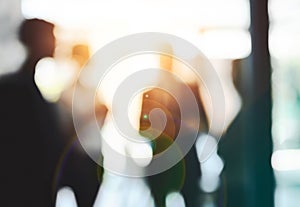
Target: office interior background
column 253, row 46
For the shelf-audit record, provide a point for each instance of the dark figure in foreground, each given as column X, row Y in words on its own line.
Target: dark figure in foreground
column 29, row 131
column 34, row 160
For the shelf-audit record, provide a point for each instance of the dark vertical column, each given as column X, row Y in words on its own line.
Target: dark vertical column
column 260, row 57
column 246, row 148
column 257, row 122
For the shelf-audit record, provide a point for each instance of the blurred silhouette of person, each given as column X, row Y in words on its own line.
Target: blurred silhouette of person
column 30, row 134
column 182, row 177
column 242, row 172
column 233, row 151
column 77, row 170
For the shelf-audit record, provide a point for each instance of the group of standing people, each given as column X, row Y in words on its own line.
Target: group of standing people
column 38, row 155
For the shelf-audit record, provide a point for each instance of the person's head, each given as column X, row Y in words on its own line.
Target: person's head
column 81, row 54
column 37, row 36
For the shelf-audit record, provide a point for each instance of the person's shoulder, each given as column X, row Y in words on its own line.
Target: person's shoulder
column 14, row 83
column 14, row 79
column 9, row 78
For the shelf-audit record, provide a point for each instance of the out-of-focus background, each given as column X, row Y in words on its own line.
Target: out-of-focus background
column 253, row 45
